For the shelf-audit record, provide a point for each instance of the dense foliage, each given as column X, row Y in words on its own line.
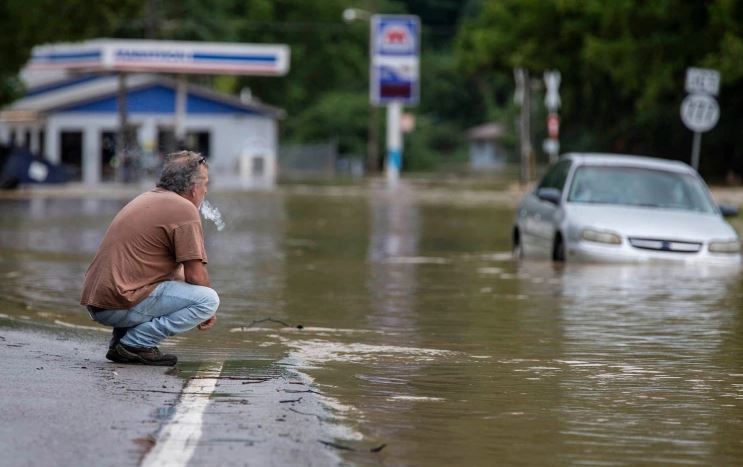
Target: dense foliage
column 622, row 64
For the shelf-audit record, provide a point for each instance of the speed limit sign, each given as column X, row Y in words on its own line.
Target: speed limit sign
column 700, row 112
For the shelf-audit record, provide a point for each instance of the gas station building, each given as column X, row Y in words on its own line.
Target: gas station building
column 71, row 112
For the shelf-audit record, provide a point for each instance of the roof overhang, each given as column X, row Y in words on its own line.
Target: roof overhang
column 132, row 55
column 50, row 101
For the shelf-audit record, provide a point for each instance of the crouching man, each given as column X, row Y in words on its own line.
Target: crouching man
column 148, row 279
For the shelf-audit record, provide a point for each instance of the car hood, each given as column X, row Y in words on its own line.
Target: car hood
column 650, row 222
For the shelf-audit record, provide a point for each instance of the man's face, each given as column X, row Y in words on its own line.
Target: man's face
column 200, row 188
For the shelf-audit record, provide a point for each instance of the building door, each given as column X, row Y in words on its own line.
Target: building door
column 198, row 141
column 71, row 152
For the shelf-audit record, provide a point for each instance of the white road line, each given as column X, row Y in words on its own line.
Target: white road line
column 177, row 441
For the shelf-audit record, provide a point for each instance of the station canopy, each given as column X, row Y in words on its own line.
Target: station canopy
column 150, row 56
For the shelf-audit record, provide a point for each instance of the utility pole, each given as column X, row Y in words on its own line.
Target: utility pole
column 122, row 140
column 371, row 163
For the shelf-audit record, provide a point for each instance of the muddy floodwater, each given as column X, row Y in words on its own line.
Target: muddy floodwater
column 421, row 333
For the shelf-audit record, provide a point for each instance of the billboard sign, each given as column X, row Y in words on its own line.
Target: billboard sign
column 395, row 62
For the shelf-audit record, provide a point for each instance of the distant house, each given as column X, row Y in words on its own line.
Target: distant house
column 74, row 121
column 486, row 152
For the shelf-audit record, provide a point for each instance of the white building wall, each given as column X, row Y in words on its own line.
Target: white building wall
column 91, row 125
column 232, row 139
column 237, row 143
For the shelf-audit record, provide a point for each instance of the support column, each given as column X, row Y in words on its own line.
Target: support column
column 180, row 111
column 4, row 134
column 121, row 140
column 52, row 143
column 91, row 156
column 148, row 142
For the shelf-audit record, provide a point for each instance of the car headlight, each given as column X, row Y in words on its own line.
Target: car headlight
column 724, row 246
column 601, row 236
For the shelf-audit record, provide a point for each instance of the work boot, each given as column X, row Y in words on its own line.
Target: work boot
column 116, row 336
column 114, row 356
column 144, row 355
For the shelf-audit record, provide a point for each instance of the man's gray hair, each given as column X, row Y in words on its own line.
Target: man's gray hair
column 181, row 171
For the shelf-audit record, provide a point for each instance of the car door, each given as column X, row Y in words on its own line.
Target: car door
column 538, row 217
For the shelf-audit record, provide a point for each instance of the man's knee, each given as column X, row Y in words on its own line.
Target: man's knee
column 209, row 301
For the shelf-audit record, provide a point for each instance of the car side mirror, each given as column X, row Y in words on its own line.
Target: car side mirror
column 728, row 210
column 551, row 195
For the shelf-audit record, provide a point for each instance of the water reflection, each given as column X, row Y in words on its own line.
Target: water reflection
column 392, row 282
column 641, row 351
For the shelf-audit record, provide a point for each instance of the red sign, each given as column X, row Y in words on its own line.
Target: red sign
column 396, row 36
column 553, row 126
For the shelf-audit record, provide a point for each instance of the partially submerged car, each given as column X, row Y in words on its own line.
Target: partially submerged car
column 611, row 207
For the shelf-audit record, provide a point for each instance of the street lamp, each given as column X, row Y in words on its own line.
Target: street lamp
column 372, row 146
column 352, row 14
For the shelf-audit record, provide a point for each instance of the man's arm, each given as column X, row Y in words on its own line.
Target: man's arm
column 195, row 272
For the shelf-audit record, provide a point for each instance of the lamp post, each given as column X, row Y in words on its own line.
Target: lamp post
column 372, row 137
column 352, row 14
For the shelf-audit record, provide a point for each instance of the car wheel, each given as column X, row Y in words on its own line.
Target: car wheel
column 558, row 252
column 517, row 250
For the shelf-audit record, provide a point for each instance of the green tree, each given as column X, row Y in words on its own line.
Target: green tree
column 25, row 24
column 623, row 65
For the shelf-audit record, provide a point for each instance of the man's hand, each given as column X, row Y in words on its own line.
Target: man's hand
column 208, row 323
column 179, row 274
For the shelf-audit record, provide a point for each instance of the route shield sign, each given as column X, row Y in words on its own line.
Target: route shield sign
column 702, row 81
column 699, row 112
column 395, row 45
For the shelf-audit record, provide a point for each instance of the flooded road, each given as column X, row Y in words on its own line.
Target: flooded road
column 422, row 334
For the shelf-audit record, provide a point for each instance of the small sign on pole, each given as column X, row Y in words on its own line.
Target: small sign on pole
column 699, row 110
column 702, row 81
column 552, row 103
column 395, row 59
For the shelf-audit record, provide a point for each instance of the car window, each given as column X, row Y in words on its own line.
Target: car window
column 635, row 186
column 556, row 176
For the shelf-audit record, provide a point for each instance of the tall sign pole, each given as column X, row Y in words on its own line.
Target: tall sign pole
column 394, row 78
column 699, row 110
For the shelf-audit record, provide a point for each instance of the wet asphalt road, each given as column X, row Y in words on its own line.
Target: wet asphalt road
column 63, row 404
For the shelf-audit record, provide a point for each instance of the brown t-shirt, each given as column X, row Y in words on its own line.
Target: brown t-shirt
column 143, row 246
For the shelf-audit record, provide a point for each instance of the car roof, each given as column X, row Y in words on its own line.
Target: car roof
column 596, row 158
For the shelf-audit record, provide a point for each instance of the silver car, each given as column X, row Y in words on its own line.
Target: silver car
column 619, row 208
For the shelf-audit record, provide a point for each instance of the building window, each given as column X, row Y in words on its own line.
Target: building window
column 71, row 152
column 42, row 143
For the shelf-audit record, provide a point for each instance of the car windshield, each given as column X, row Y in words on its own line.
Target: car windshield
column 634, row 186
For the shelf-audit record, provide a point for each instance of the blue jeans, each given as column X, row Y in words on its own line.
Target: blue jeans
column 172, row 308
